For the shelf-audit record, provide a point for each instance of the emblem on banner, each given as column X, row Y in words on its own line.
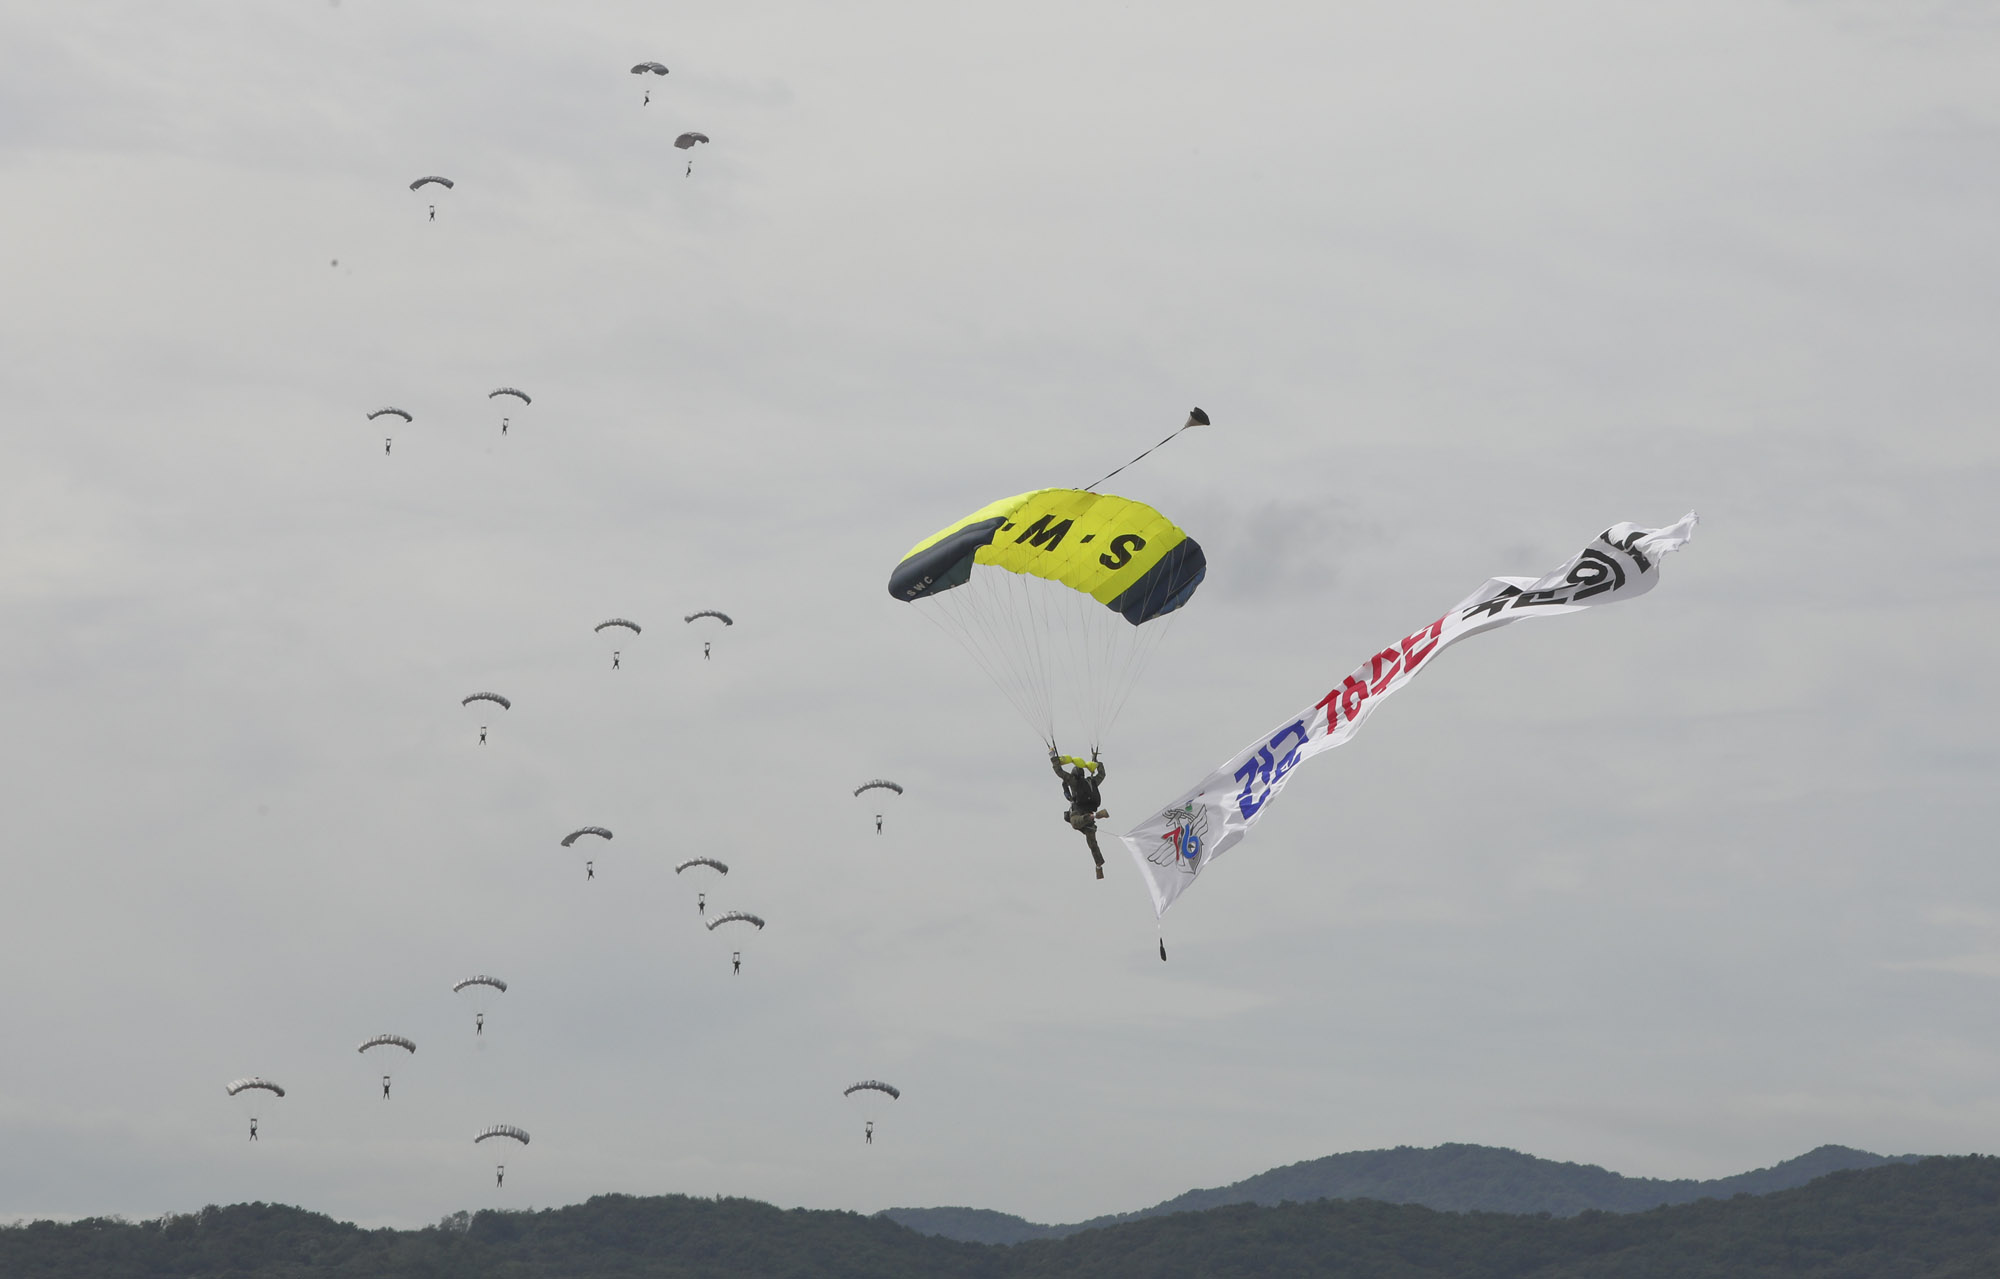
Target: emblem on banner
column 1182, row 845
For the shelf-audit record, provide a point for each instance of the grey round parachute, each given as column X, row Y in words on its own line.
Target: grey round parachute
column 446, row 183
column 654, row 67
column 577, row 834
column 617, row 621
column 390, row 412
column 487, row 697
column 724, row 618
column 687, row 140
column 386, row 1041
column 245, row 1085
column 503, row 1130
column 709, row 862
column 880, row 783
column 734, row 917
column 520, row 395
column 481, row 980
column 875, row 1085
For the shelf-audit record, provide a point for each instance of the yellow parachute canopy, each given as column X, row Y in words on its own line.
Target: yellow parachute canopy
column 1121, row 553
column 1051, row 592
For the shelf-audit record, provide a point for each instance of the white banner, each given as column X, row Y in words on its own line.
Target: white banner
column 1177, row 843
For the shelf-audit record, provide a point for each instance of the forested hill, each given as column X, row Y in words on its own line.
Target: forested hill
column 1455, row 1178
column 1934, row 1219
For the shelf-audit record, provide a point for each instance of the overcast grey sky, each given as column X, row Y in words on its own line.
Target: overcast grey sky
column 1682, row 887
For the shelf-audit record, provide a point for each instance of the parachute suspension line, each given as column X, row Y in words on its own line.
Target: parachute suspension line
column 1076, row 643
column 1147, row 643
column 1003, row 633
column 1031, row 629
column 1118, row 672
column 1049, row 607
column 1145, row 647
column 1003, row 673
column 1017, row 635
column 1196, row 418
column 1045, row 646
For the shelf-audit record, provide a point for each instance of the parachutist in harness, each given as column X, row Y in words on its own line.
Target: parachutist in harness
column 385, row 1088
column 253, row 1128
column 386, row 442
column 647, row 100
column 434, row 213
column 499, row 1175
column 503, row 426
column 736, row 961
column 704, row 650
column 590, row 870
column 479, row 1023
column 482, row 734
column 868, row 1133
column 701, row 904
column 614, row 659
column 1080, row 788
column 878, row 823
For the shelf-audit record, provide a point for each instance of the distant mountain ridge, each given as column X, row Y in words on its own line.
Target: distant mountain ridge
column 1449, row 1178
column 1936, row 1218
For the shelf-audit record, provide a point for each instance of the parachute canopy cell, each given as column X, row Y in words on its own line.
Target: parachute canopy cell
column 480, row 980
column 617, row 621
column 245, row 1085
column 687, row 140
column 654, row 67
column 880, row 783
column 724, row 618
column 874, row 1085
column 390, row 412
column 516, row 392
column 709, row 862
column 734, row 917
column 503, row 1130
column 579, row 833
column 387, row 1041
column 446, row 183
column 487, row 697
